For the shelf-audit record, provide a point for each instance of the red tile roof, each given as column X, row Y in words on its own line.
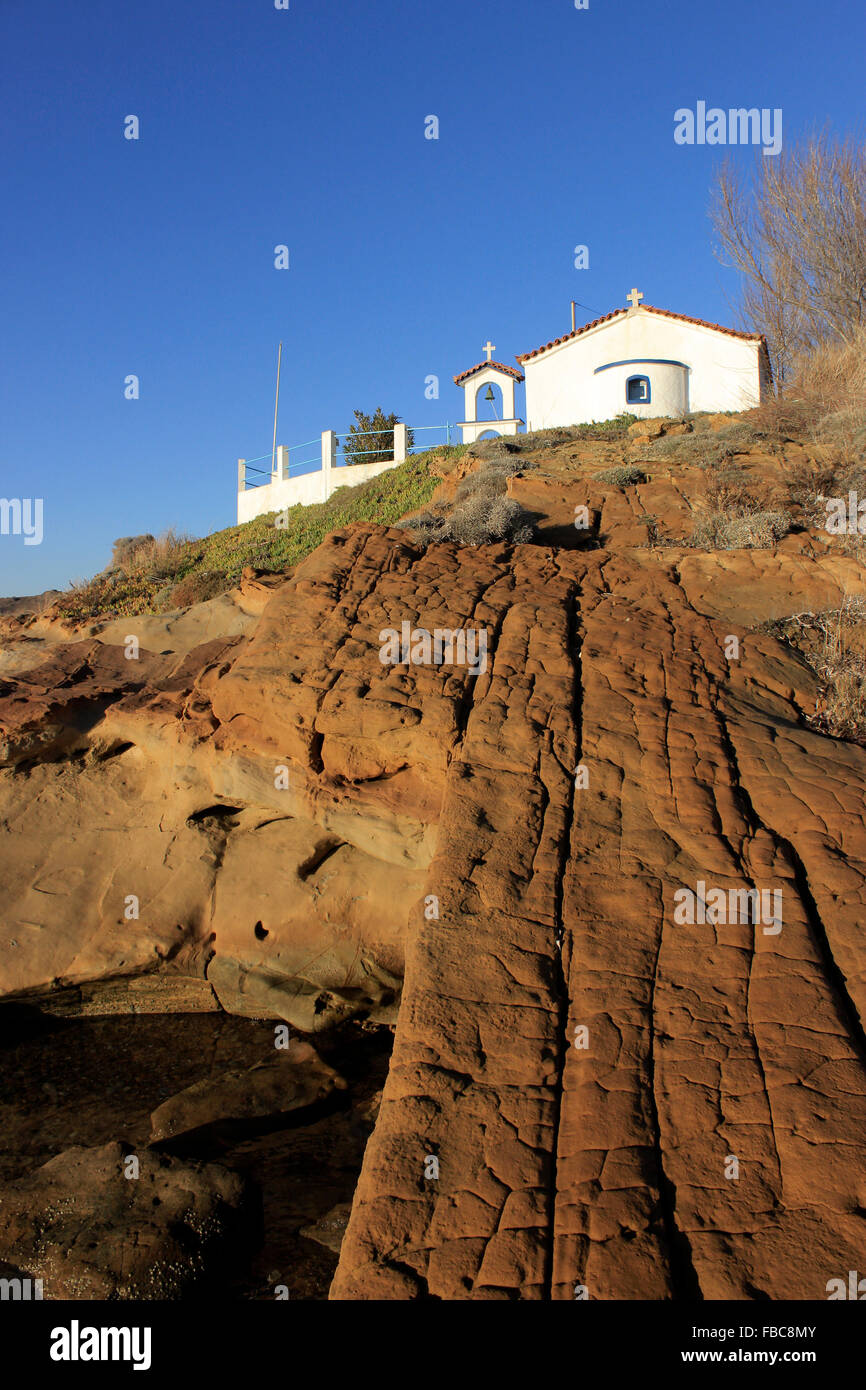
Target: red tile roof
column 497, row 366
column 667, row 313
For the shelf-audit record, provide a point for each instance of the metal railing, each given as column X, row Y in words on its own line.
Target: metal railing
column 266, row 474
column 301, row 459
column 431, row 443
column 295, row 464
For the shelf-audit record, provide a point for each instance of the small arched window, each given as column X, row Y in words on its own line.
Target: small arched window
column 637, row 390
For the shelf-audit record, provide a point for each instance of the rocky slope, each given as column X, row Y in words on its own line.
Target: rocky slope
column 586, row 1095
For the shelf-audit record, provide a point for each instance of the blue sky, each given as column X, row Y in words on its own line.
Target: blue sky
column 305, row 127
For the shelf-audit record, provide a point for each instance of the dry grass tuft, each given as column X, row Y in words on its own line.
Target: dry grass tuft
column 826, row 401
column 833, row 643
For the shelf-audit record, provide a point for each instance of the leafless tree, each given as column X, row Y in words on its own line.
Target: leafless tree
column 795, row 229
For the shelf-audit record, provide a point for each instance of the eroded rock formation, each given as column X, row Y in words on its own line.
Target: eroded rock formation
column 586, row 1092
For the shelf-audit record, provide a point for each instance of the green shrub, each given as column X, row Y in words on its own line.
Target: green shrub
column 604, row 430
column 371, row 438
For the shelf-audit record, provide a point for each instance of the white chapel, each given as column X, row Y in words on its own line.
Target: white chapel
column 637, row 360
column 640, row 360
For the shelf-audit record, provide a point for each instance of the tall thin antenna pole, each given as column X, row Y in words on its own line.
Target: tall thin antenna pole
column 573, row 318
column 276, row 408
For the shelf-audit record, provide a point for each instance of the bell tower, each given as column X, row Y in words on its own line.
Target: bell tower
column 488, row 374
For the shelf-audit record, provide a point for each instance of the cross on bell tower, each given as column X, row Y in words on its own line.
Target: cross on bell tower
column 489, row 348
column 635, row 298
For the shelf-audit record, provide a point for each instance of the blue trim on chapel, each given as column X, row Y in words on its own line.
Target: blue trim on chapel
column 643, row 361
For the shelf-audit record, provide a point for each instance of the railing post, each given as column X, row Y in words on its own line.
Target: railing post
column 401, row 443
column 242, row 475
column 329, row 461
column 282, row 463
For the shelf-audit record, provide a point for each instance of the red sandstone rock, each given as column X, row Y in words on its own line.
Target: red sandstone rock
column 430, row 821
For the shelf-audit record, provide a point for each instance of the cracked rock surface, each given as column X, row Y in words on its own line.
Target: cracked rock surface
column 586, row 1092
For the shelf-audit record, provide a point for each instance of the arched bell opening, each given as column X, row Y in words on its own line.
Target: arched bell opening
column 488, row 402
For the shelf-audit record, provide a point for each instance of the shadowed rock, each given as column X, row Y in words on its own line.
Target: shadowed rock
column 89, row 1230
column 294, row 1080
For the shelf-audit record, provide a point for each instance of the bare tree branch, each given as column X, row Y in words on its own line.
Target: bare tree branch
column 795, row 230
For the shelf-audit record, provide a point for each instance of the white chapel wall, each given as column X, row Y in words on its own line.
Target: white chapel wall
column 563, row 389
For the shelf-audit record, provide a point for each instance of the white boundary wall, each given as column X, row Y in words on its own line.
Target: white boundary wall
column 284, row 491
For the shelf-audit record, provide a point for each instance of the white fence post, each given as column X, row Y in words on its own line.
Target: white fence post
column 401, row 443
column 329, row 461
column 282, row 463
column 242, row 475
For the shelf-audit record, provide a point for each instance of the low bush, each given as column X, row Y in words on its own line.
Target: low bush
column 729, row 488
column 602, row 431
column 625, row 475
column 161, row 556
column 479, row 520
column 740, row 528
column 605, row 430
column 481, row 512
column 708, row 448
column 492, row 479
